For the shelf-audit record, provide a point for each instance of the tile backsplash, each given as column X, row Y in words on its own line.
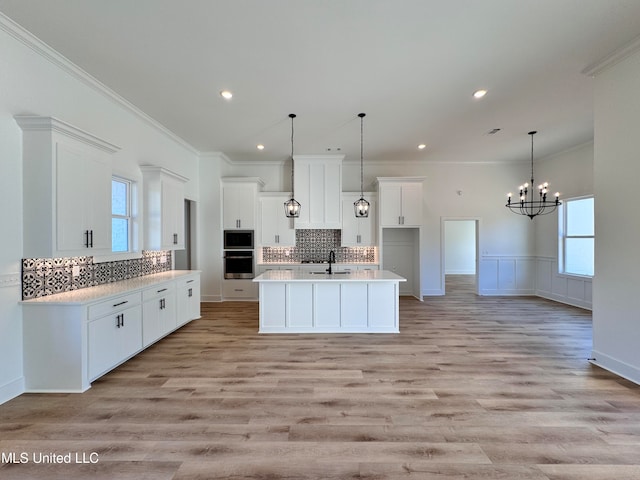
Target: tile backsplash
column 47, row 276
column 315, row 245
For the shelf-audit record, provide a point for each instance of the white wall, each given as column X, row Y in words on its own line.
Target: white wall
column 460, row 247
column 35, row 80
column 616, row 302
column 571, row 173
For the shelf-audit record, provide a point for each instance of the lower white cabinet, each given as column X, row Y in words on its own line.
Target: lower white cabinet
column 158, row 312
column 114, row 338
column 188, row 295
column 239, row 289
column 72, row 338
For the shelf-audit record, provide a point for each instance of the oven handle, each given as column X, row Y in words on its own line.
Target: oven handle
column 238, row 256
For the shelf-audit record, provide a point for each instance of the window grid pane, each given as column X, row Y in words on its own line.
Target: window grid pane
column 119, row 198
column 580, row 217
column 121, row 217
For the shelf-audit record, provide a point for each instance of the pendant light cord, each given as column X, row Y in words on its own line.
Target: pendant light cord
column 361, row 115
column 532, row 134
column 292, row 116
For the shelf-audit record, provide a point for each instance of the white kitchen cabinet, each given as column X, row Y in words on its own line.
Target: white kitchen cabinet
column 163, row 208
column 239, row 202
column 239, row 289
column 159, row 313
column 400, row 200
column 358, row 231
column 72, row 338
column 67, row 190
column 318, row 187
column 276, row 230
column 114, row 338
column 188, row 294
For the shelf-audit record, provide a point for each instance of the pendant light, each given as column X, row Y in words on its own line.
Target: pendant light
column 292, row 207
column 361, row 207
column 527, row 204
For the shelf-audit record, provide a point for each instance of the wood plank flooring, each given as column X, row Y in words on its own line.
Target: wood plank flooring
column 472, row 388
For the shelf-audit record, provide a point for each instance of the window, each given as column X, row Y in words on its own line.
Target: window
column 120, row 215
column 576, row 229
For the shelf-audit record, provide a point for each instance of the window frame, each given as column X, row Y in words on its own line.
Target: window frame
column 562, row 236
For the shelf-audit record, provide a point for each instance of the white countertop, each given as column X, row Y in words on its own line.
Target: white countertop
column 101, row 292
column 351, row 276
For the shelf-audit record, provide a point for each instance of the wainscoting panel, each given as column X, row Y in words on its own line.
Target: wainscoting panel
column 508, row 275
column 575, row 291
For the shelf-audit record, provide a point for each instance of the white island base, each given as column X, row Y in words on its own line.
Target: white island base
column 360, row 301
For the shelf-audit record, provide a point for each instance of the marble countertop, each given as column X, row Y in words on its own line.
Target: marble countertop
column 101, row 292
column 350, row 276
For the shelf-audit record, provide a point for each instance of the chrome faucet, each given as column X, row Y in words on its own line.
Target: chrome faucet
column 332, row 259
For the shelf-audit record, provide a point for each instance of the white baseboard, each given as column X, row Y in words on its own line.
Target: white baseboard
column 12, row 390
column 616, row 366
column 565, row 300
column 211, row 298
column 433, row 292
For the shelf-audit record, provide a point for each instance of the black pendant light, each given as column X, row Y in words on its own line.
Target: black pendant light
column 527, row 204
column 292, row 207
column 361, row 207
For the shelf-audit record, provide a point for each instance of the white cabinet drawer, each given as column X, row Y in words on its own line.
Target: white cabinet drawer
column 114, row 304
column 158, row 291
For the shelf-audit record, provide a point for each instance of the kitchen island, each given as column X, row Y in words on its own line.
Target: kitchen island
column 358, row 301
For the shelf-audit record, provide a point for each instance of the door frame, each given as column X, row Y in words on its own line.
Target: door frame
column 478, row 222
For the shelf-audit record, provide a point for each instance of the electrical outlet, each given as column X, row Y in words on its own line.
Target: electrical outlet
column 163, row 259
column 154, row 260
column 75, row 270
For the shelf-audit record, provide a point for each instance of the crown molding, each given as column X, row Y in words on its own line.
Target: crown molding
column 613, row 58
column 63, row 63
column 52, row 124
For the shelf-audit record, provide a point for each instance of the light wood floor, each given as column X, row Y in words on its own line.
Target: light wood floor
column 472, row 388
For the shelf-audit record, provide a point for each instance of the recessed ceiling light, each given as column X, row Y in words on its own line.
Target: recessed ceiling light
column 422, row 146
column 479, row 93
column 260, row 146
column 226, row 94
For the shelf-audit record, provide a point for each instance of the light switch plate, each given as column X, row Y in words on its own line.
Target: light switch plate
column 75, row 270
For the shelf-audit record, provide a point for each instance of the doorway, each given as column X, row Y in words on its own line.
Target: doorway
column 460, row 252
column 184, row 258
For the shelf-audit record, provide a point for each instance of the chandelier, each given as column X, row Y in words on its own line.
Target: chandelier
column 291, row 206
column 529, row 204
column 361, row 206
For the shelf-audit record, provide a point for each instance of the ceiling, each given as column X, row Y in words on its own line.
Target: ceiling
column 410, row 65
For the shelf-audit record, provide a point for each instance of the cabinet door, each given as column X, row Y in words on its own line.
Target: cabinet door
column 358, row 232
column 412, row 204
column 172, row 215
column 158, row 313
column 390, row 205
column 188, row 306
column 276, row 230
column 83, row 202
column 318, row 188
column 238, row 205
column 113, row 339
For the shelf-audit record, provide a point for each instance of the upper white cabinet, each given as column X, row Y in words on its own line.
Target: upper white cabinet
column 358, row 231
column 276, row 230
column 318, row 187
column 67, row 190
column 400, row 201
column 239, row 197
column 163, row 209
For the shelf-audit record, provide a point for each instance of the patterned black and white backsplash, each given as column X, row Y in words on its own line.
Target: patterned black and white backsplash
column 47, row 276
column 314, row 246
